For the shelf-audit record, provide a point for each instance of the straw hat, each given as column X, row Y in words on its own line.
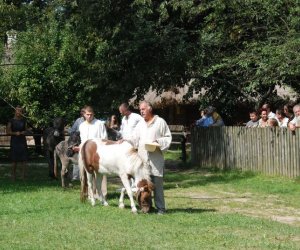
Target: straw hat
column 150, row 147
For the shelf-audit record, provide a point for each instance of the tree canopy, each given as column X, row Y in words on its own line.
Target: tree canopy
column 70, row 53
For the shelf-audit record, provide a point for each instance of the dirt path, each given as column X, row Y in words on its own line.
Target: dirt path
column 267, row 207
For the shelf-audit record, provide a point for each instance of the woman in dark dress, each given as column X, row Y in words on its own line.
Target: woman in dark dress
column 17, row 127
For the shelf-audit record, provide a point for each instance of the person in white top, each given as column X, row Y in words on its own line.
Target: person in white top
column 93, row 128
column 295, row 123
column 73, row 129
column 268, row 108
column 153, row 130
column 129, row 121
column 263, row 121
column 281, row 118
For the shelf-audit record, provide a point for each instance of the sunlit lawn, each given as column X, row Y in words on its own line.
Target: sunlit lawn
column 206, row 210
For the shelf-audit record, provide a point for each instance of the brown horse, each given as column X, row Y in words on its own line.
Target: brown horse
column 96, row 157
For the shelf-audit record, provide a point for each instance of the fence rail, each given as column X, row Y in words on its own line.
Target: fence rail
column 274, row 151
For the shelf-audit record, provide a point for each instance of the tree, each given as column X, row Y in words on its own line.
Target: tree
column 44, row 78
column 105, row 52
column 248, row 47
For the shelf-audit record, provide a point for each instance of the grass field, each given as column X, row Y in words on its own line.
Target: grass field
column 206, row 210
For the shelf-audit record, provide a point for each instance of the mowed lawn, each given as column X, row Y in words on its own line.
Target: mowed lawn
column 206, row 210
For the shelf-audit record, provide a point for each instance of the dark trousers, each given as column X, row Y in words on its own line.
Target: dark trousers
column 159, row 198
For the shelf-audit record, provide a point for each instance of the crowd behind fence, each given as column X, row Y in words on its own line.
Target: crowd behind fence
column 273, row 151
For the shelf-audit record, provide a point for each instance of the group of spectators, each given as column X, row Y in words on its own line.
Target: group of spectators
column 287, row 116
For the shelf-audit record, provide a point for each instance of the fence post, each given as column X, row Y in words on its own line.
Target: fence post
column 183, row 147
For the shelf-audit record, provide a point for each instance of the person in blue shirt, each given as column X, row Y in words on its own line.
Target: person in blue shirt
column 205, row 120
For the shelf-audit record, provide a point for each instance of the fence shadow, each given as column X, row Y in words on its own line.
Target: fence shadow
column 193, row 178
column 190, row 210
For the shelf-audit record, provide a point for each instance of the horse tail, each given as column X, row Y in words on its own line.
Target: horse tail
column 83, row 176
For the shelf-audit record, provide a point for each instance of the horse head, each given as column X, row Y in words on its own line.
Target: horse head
column 59, row 123
column 74, row 140
column 144, row 195
column 58, row 126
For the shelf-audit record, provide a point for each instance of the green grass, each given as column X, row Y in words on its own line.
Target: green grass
column 206, row 210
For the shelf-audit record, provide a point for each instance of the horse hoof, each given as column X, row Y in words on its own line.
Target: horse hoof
column 121, row 206
column 134, row 210
column 105, row 204
column 93, row 202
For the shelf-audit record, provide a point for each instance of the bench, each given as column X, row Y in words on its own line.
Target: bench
column 180, row 139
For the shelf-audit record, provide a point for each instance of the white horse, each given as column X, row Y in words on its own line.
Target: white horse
column 98, row 157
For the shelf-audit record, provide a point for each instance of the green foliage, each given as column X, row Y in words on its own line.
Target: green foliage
column 71, row 53
column 248, row 48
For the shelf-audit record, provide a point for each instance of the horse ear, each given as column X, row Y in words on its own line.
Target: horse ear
column 151, row 185
column 141, row 183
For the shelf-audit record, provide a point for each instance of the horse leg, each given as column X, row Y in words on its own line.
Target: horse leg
column 127, row 186
column 99, row 191
column 90, row 188
column 63, row 174
column 51, row 165
column 121, row 200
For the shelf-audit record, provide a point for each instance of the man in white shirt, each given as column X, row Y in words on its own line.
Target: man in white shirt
column 93, row 128
column 75, row 128
column 295, row 123
column 129, row 120
column 154, row 130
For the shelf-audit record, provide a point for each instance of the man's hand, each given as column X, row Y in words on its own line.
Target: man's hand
column 292, row 127
column 76, row 149
column 120, row 141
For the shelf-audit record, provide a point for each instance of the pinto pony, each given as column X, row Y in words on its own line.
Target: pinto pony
column 96, row 157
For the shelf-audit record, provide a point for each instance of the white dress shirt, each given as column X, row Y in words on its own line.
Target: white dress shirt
column 128, row 124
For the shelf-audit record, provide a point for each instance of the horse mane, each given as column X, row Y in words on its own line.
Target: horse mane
column 139, row 167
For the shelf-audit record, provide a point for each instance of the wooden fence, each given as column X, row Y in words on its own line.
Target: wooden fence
column 274, row 151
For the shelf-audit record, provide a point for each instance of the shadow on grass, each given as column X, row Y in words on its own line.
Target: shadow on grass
column 202, row 177
column 190, row 210
column 8, row 186
column 36, row 177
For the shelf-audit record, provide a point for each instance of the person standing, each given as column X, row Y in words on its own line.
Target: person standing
column 113, row 123
column 217, row 120
column 153, row 130
column 76, row 124
column 93, row 128
column 281, row 118
column 129, row 120
column 75, row 128
column 253, row 123
column 204, row 121
column 263, row 121
column 112, row 128
column 17, row 128
column 267, row 107
column 288, row 111
column 295, row 123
